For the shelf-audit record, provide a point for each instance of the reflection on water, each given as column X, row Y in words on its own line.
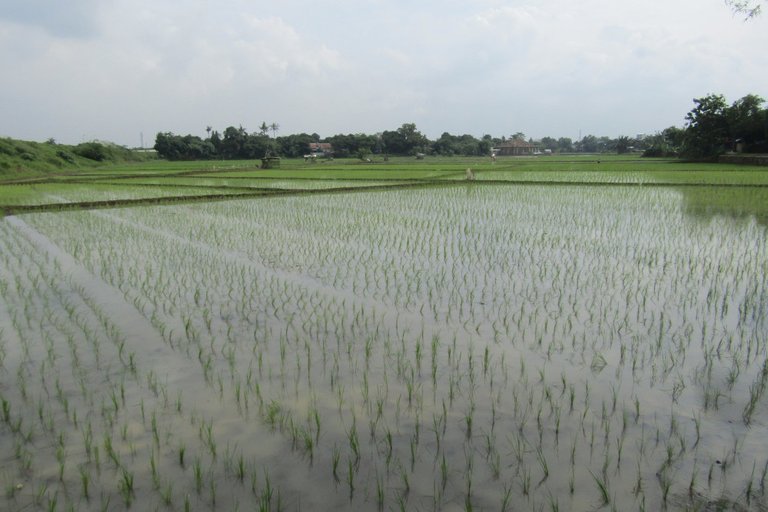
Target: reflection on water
column 487, row 347
column 733, row 202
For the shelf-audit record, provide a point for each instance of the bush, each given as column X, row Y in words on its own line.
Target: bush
column 6, row 147
column 65, row 156
column 92, row 151
column 659, row 151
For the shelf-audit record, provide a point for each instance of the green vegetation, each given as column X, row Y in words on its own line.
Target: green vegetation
column 154, row 181
column 711, row 128
column 22, row 159
column 714, row 127
column 560, row 333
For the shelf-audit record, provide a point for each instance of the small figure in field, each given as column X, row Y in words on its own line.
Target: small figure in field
column 470, row 174
column 493, row 158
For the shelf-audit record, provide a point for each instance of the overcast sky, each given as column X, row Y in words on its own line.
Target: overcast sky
column 95, row 69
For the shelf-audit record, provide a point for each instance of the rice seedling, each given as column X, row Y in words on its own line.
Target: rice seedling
column 526, row 481
column 212, row 490
column 763, row 475
column 335, row 463
column 53, row 501
column 126, row 487
column 443, row 472
column 240, row 470
column 602, row 486
column 166, row 493
column 197, row 470
column 542, row 463
column 666, row 484
column 85, row 481
column 6, row 411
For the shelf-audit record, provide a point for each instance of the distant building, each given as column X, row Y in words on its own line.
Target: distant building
column 320, row 149
column 517, row 147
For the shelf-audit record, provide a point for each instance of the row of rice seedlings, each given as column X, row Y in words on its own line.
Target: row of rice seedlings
column 554, row 334
column 44, row 335
column 41, row 346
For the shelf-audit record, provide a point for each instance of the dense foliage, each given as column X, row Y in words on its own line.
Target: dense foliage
column 237, row 143
column 712, row 128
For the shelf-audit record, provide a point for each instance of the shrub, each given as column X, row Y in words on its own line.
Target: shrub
column 6, row 147
column 65, row 156
column 92, row 151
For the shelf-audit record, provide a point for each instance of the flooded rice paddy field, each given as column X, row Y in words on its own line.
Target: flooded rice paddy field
column 54, row 193
column 455, row 348
column 249, row 183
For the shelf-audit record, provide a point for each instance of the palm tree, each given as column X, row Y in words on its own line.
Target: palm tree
column 274, row 127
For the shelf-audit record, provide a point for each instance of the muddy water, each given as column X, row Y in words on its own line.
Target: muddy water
column 538, row 347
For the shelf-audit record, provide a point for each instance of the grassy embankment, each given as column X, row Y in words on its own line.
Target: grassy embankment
column 24, row 160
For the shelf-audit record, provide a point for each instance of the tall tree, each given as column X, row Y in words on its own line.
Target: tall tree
column 622, row 145
column 234, row 142
column 706, row 130
column 406, row 140
column 549, row 143
column 747, row 121
column 352, row 145
column 294, row 145
column 713, row 127
column 588, row 144
column 565, row 144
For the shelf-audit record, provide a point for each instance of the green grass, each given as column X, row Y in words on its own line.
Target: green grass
column 153, row 179
column 29, row 160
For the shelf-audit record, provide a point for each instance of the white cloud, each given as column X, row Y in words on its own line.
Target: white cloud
column 476, row 66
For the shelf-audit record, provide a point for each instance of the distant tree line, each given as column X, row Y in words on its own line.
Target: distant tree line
column 238, row 143
column 712, row 128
